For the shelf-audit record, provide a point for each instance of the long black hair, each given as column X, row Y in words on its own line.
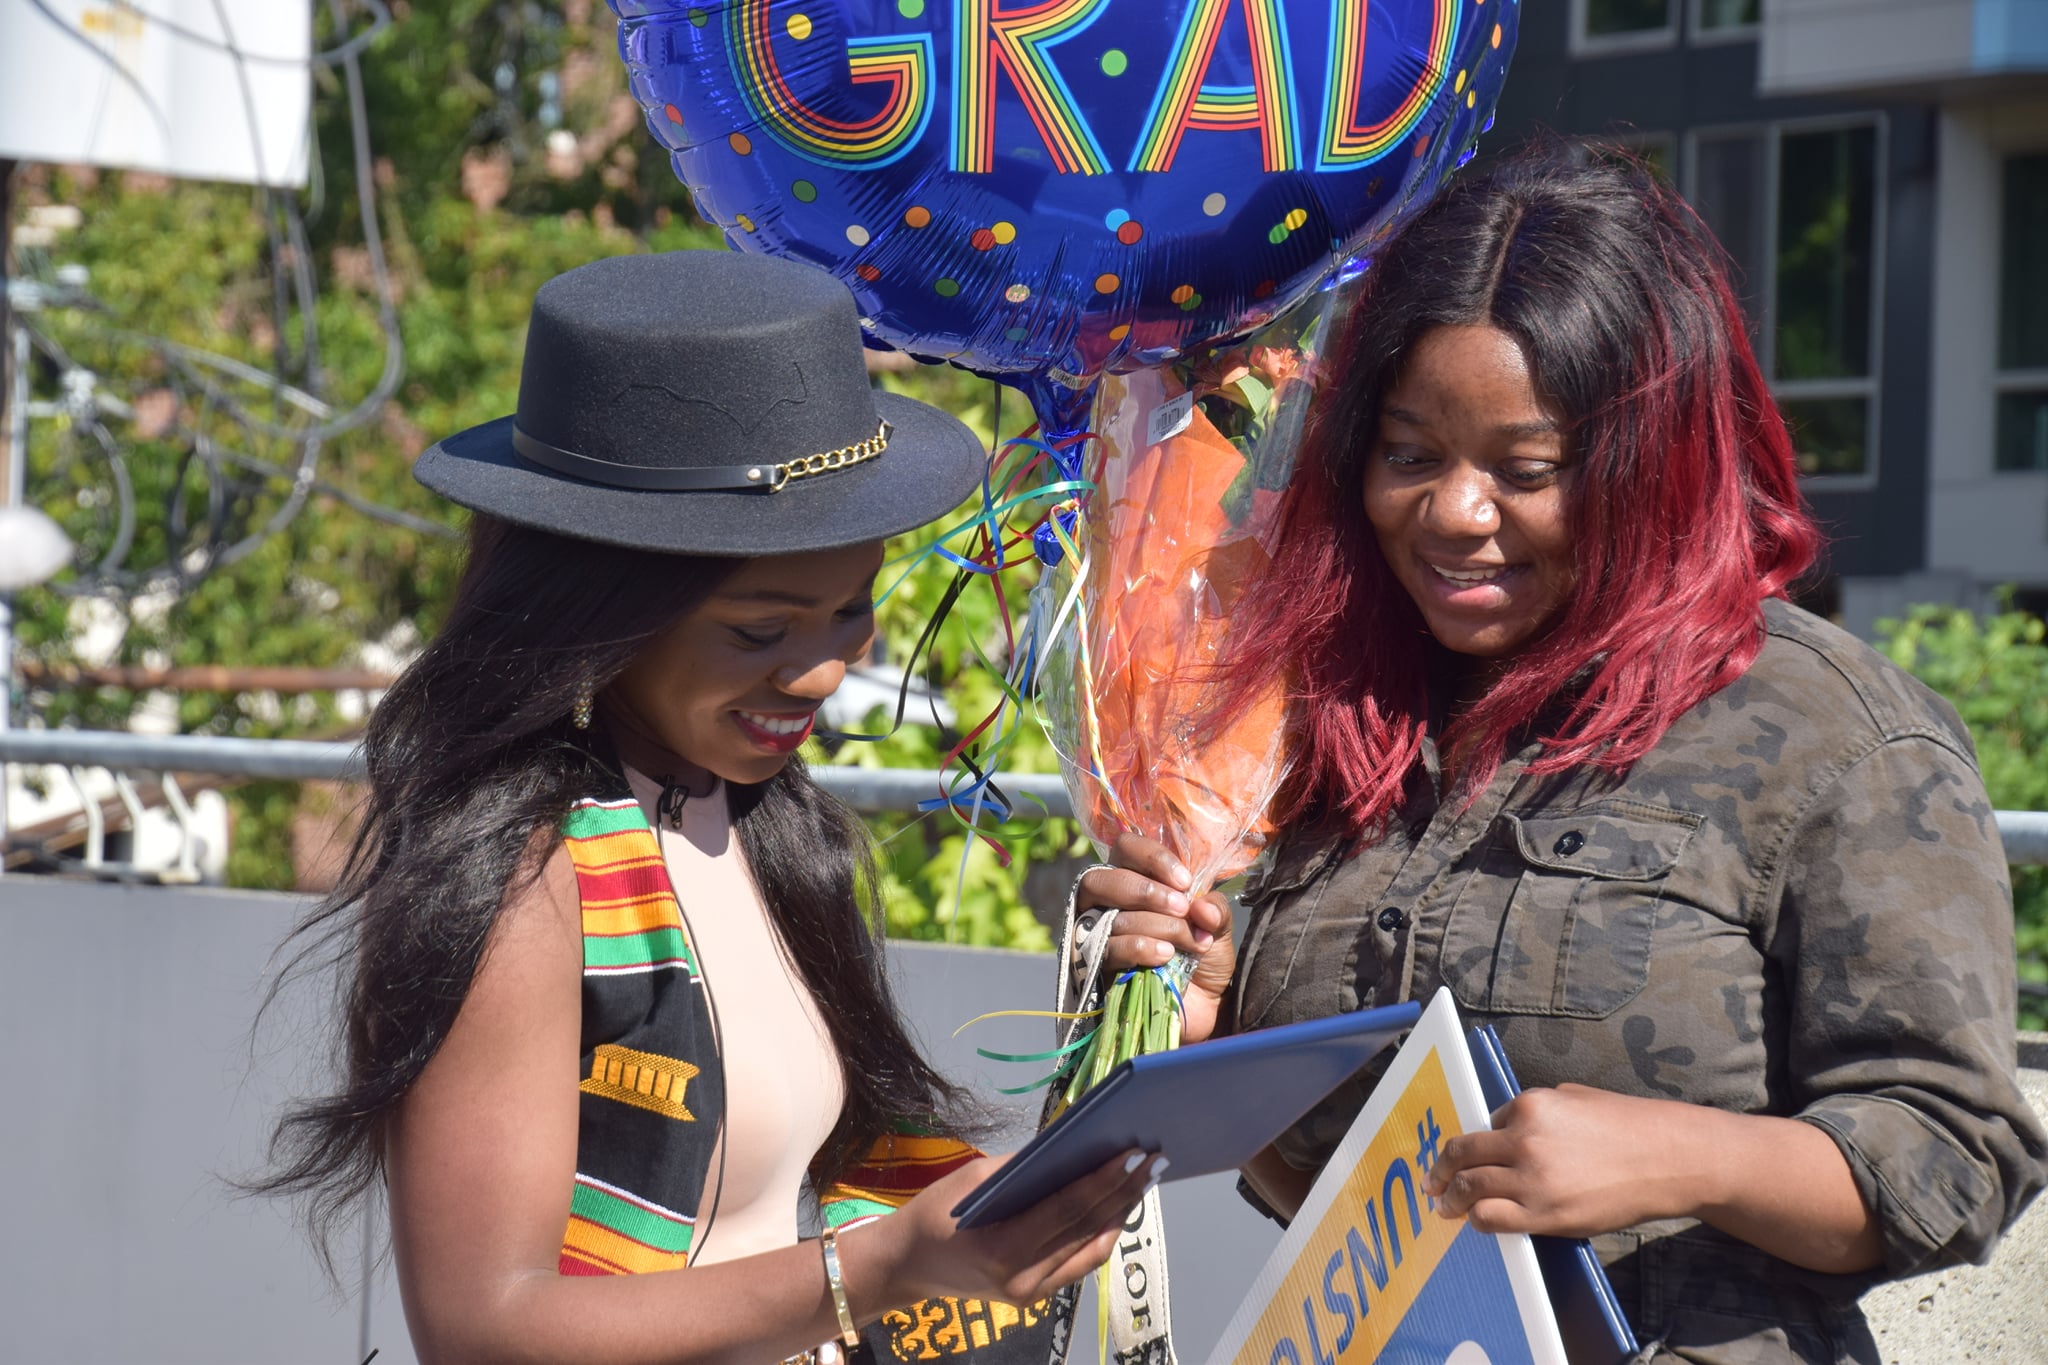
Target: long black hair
column 472, row 761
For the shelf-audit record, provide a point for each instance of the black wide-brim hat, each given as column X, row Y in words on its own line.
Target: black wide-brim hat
column 705, row 402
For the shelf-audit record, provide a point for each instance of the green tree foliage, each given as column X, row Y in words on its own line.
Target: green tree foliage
column 1995, row 672
column 506, row 151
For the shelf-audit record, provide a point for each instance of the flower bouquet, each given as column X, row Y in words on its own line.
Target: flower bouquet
column 1187, row 463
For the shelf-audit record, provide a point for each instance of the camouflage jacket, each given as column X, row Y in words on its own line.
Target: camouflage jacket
column 1796, row 904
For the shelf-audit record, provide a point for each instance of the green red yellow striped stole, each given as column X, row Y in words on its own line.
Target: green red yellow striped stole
column 631, row 921
column 652, row 1089
column 653, row 1095
column 989, row 1333
column 616, row 1232
column 895, row 1169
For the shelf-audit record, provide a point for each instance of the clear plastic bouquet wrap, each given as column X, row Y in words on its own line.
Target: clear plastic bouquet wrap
column 1188, row 463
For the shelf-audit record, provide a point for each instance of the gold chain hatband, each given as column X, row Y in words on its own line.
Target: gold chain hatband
column 697, row 478
column 860, row 452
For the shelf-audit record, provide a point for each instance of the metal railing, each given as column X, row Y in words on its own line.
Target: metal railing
column 74, row 752
column 865, row 789
column 305, row 760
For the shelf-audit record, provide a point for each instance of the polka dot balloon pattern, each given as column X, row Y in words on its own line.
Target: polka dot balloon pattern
column 1054, row 188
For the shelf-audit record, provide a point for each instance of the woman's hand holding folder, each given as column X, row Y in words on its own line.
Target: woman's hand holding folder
column 921, row 1253
column 1574, row 1161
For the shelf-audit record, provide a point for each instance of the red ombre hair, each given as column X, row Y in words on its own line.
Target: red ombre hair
column 1684, row 507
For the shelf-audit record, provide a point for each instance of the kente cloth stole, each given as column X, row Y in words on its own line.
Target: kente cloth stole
column 653, row 1097
column 652, row 1088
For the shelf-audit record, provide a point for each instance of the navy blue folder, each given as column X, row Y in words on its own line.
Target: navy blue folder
column 1588, row 1317
column 1208, row 1107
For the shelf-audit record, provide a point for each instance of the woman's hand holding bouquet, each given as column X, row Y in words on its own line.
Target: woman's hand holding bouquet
column 1158, row 919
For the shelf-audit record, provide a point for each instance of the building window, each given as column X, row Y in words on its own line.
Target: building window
column 1718, row 19
column 1797, row 210
column 1728, row 171
column 2023, row 316
column 1826, row 269
column 1622, row 25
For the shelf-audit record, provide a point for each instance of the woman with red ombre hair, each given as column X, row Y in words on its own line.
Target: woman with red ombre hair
column 1724, row 879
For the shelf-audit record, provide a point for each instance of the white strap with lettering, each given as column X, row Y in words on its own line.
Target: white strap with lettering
column 1140, row 1318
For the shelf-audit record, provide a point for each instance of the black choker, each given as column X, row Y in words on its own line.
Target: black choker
column 650, row 757
column 669, row 809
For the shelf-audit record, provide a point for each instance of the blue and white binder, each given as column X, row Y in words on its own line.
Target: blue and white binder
column 1589, row 1318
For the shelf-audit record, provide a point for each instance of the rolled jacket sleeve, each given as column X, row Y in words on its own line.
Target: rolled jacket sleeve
column 1893, row 939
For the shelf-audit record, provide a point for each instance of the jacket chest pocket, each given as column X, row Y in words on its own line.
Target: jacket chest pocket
column 1557, row 917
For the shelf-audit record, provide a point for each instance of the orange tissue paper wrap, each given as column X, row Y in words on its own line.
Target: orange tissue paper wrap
column 1187, row 464
column 1166, row 562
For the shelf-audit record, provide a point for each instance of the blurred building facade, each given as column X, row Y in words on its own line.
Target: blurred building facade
column 1878, row 170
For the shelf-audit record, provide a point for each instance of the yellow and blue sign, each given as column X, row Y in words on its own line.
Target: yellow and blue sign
column 1369, row 1271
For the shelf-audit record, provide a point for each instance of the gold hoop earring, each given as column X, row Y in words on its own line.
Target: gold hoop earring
column 579, row 714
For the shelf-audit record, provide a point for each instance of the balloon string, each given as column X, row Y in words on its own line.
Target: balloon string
column 1026, row 1014
column 991, row 511
column 991, row 541
column 1087, row 670
column 1012, row 697
column 1040, row 1083
column 987, row 556
column 981, row 793
column 1054, row 1055
column 968, row 570
column 987, row 549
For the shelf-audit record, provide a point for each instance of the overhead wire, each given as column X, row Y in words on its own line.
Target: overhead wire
column 380, row 19
column 216, row 388
column 308, row 446
column 372, row 404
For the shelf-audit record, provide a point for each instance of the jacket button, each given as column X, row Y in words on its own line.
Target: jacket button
column 1392, row 918
column 1568, row 843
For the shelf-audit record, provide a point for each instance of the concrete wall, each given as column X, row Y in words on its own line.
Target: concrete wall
column 135, row 1084
column 1978, row 1313
column 1989, row 524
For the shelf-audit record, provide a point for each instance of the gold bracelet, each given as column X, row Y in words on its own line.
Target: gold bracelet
column 848, row 1333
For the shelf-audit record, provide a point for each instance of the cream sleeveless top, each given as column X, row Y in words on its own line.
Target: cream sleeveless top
column 783, row 1085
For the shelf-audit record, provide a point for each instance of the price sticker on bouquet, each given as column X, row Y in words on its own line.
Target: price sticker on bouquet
column 1170, row 418
column 1369, row 1271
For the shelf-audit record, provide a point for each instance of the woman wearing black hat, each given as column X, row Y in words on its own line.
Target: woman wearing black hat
column 613, row 1000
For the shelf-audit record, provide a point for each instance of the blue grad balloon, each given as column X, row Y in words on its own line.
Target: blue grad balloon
column 1042, row 190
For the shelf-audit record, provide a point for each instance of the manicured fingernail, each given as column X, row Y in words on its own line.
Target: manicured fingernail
column 1159, row 1165
column 1133, row 1161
